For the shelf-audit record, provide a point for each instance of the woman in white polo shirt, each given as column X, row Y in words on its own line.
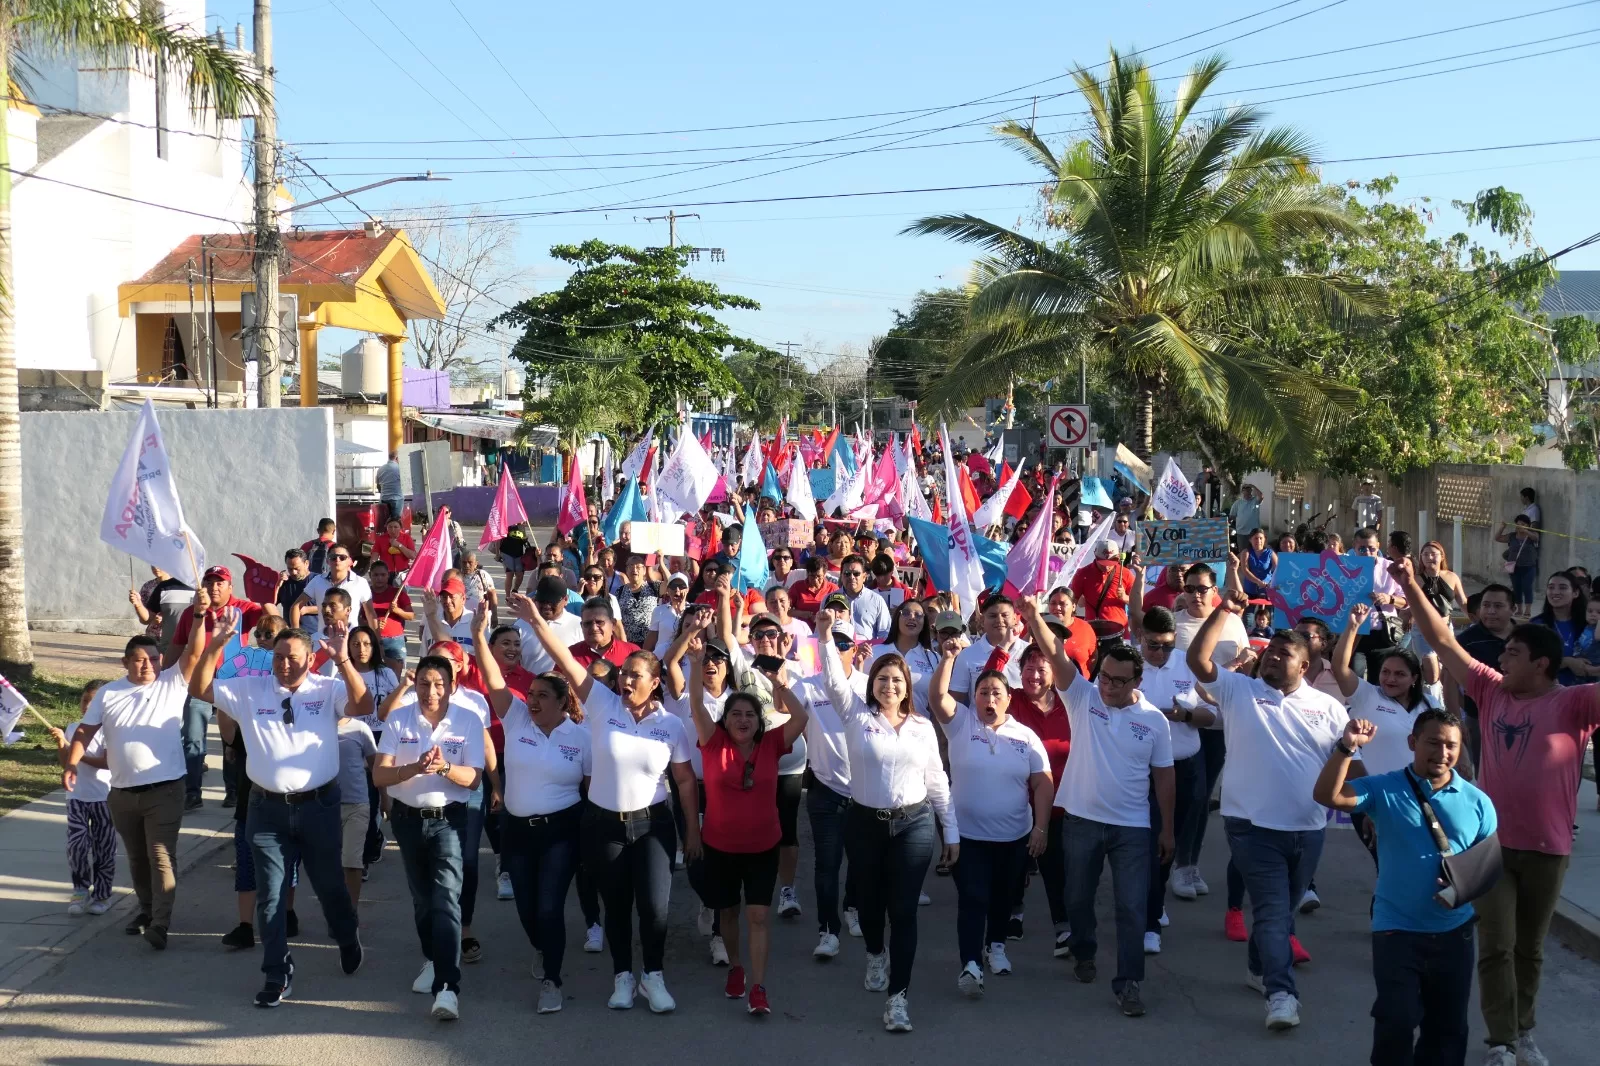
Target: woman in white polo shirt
column 628, row 834
column 431, row 761
column 1000, row 785
column 897, row 785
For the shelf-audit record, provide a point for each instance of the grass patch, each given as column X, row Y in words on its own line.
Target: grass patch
column 29, row 768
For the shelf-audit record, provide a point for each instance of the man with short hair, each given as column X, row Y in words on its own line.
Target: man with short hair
column 1278, row 731
column 1000, row 649
column 292, row 580
column 1166, row 591
column 886, row 582
column 339, row 576
column 446, row 613
column 1388, row 599
column 550, row 600
column 1123, row 537
column 1484, row 640
column 868, row 613
column 1532, row 767
column 1245, row 514
column 1368, row 507
column 600, row 639
column 318, row 547
column 1422, row 950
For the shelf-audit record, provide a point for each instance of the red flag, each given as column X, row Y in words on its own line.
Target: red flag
column 938, row 512
column 574, row 504
column 969, row 494
column 1020, row 501
column 825, row 457
column 505, row 512
column 713, row 538
column 433, row 558
column 1005, row 473
column 649, row 465
column 916, row 443
column 705, row 440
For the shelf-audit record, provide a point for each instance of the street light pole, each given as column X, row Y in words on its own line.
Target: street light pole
column 268, row 375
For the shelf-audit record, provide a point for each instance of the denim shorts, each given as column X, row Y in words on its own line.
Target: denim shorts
column 393, row 647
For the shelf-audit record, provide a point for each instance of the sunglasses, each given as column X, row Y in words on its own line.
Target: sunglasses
column 854, row 573
column 765, row 634
column 341, row 556
column 288, row 709
column 749, row 781
column 1195, row 590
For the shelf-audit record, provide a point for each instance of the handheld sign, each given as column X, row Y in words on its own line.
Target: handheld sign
column 1197, row 540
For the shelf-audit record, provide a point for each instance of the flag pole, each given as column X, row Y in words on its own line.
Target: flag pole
column 194, row 566
column 42, row 719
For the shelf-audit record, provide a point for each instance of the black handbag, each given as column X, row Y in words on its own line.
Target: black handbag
column 1467, row 875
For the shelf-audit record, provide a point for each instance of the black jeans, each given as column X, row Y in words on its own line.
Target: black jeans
column 431, row 849
column 631, row 862
column 890, row 859
column 1190, row 774
column 1052, row 871
column 1424, row 982
column 541, row 859
column 1215, row 751
column 986, row 874
column 826, row 810
column 372, row 848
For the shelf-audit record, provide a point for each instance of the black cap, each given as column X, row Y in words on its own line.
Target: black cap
column 715, row 646
column 551, row 589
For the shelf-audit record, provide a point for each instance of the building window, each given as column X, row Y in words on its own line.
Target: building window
column 174, row 360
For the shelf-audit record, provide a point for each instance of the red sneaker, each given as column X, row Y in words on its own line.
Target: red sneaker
column 735, row 986
column 1233, row 925
column 758, row 1000
column 1300, row 954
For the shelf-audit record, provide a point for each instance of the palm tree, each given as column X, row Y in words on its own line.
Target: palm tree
column 116, row 33
column 1174, row 232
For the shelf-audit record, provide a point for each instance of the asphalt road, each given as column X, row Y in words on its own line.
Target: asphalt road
column 116, row 1001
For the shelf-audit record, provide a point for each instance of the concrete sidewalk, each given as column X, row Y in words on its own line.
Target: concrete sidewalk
column 1577, row 919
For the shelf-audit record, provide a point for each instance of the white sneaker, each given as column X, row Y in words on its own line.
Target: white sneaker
column 705, row 921
column 788, row 902
column 447, row 1006
column 719, row 952
column 549, row 997
column 655, row 991
column 969, row 982
column 924, row 900
column 80, row 899
column 1255, row 981
column 423, row 985
column 502, row 887
column 622, row 992
column 594, row 939
column 827, row 947
column 1310, row 901
column 1528, row 1053
column 1500, row 1055
column 996, row 957
column 1180, row 884
column 877, row 979
column 1152, row 943
column 1198, row 882
column 1283, row 1012
column 852, row 921
column 100, row 906
column 895, row 1017
column 1164, row 921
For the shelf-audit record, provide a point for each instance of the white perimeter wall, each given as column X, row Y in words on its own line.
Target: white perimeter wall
column 251, row 481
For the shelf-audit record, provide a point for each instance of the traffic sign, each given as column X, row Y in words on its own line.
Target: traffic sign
column 1068, row 426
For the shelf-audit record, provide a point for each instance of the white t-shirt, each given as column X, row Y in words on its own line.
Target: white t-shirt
column 143, row 727
column 569, row 631
column 1387, row 750
column 679, row 705
column 94, row 784
column 826, row 751
column 664, row 621
column 1107, row 778
column 355, row 747
column 1277, row 745
column 542, row 772
column 970, row 663
column 1233, row 639
column 1164, row 685
column 407, row 736
column 460, row 630
column 923, row 662
column 632, row 760
column 989, row 771
column 356, row 585
column 286, row 758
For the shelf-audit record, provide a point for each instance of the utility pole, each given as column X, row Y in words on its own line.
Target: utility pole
column 267, row 238
column 718, row 255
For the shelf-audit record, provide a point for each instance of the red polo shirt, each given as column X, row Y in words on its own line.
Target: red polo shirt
column 249, row 615
column 618, row 651
column 1103, row 588
column 804, row 604
column 1053, row 729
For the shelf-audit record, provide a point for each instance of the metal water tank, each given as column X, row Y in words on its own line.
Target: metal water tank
column 365, row 369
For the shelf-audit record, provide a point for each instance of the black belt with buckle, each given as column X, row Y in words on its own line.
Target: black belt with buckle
column 147, row 788
column 294, row 799
column 889, row 814
column 545, row 819
column 436, row 813
column 631, row 816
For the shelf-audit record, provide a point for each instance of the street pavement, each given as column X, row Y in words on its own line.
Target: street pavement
column 114, row 1000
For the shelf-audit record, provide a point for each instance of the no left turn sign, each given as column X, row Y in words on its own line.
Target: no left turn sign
column 1068, row 426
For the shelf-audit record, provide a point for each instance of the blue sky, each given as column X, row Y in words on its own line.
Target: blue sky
column 828, row 271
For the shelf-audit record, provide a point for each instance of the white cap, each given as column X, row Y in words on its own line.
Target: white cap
column 679, row 577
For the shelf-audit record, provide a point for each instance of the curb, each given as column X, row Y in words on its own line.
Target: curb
column 1576, row 928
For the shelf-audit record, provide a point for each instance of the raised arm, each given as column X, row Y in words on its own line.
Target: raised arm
column 783, row 696
column 390, row 702
column 1136, row 602
column 1066, row 670
column 576, row 675
column 1435, row 630
column 494, row 679
column 201, row 654
column 358, row 701
column 302, row 606
column 834, row 680
column 940, row 703
column 1205, row 640
column 1331, row 789
column 704, row 727
column 1346, row 646
column 433, row 618
column 694, row 624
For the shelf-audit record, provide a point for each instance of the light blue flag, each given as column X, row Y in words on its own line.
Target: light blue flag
column 934, row 542
column 628, row 508
column 1095, row 494
column 769, row 486
column 992, row 555
column 844, row 449
column 821, row 485
column 753, row 570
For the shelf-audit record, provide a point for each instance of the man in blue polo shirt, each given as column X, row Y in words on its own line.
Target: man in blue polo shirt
column 1423, row 954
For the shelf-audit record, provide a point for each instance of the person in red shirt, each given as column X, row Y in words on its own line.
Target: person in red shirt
column 1077, row 637
column 1168, row 589
column 740, row 834
column 600, row 639
column 394, row 548
column 806, row 597
column 1037, row 706
column 392, row 607
column 1103, row 587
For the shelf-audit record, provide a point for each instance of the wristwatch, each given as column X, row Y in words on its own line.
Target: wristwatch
column 444, row 770
column 1349, row 753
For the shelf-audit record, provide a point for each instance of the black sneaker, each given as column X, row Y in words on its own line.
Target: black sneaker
column 1085, row 970
column 157, row 936
column 1062, row 949
column 271, row 995
column 241, row 938
column 350, row 955
column 230, row 800
column 471, row 950
column 1014, row 928
column 291, row 925
column 193, row 803
column 137, row 926
column 1128, row 999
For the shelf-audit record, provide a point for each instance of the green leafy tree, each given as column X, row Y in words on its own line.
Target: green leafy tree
column 113, row 34
column 921, row 344
column 643, row 298
column 1167, row 238
column 1577, row 341
column 603, row 393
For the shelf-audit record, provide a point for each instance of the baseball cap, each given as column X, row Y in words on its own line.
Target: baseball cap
column 218, row 573
column 837, row 599
column 715, row 646
column 455, row 586
column 1104, row 549
column 1057, row 626
column 948, row 620
column 767, row 617
column 551, row 589
column 677, row 578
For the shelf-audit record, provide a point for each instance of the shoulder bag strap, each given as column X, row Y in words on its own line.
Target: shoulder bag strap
column 1440, row 841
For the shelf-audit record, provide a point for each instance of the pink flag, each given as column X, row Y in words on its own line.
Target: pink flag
column 505, row 512
column 1027, row 562
column 433, row 558
column 574, row 505
column 885, row 478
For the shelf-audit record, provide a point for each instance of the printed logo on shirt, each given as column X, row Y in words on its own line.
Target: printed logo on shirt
column 311, row 707
column 569, row 752
column 1140, row 732
column 1313, row 715
column 659, row 734
column 528, row 741
column 260, row 711
column 1269, row 704
column 1021, row 746
column 1182, row 686
column 1100, row 713
column 615, row 724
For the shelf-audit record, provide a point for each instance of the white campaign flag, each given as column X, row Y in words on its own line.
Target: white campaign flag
column 966, row 570
column 608, row 473
column 754, row 463
column 1174, row 496
column 996, row 454
column 911, row 498
column 12, row 704
column 633, row 465
column 688, row 477
column 143, row 515
column 990, row 511
column 799, row 494
column 848, row 490
column 1083, row 555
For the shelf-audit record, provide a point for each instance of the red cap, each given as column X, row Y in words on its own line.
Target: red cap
column 220, row 573
column 454, row 585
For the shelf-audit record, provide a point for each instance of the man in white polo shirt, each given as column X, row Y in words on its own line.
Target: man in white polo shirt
column 1000, row 649
column 289, row 722
column 1121, row 747
column 1279, row 731
column 141, row 719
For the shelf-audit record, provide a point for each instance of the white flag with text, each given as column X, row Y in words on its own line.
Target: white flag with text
column 143, row 515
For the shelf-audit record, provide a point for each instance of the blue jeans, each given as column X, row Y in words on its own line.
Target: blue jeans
column 541, row 859
column 471, row 839
column 431, row 849
column 631, row 863
column 890, row 859
column 1089, row 844
column 1424, row 983
column 277, row 829
column 986, row 876
column 1276, row 865
column 196, row 716
column 825, row 808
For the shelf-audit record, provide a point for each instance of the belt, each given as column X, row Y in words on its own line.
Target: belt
column 147, row 788
column 432, row 813
column 294, row 799
column 888, row 814
column 630, row 816
column 544, row 819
